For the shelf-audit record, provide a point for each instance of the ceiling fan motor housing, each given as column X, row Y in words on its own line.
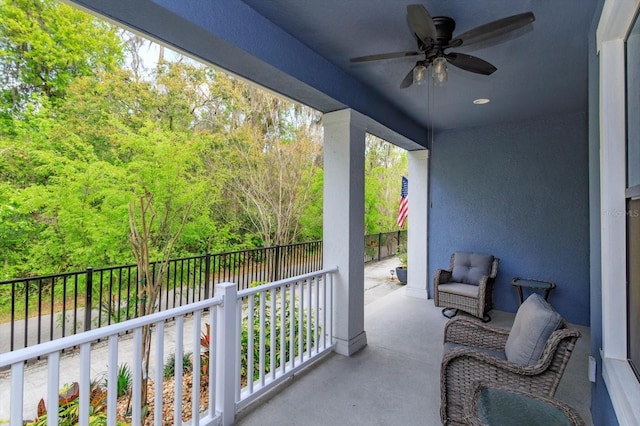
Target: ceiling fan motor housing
column 444, row 33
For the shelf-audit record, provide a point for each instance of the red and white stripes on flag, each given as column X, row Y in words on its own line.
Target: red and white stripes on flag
column 403, row 209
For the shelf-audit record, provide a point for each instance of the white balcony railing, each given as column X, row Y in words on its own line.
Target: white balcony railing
column 258, row 337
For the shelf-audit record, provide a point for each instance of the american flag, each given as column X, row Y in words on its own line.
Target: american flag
column 403, row 210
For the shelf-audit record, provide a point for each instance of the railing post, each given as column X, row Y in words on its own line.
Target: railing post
column 87, row 299
column 379, row 245
column 226, row 359
column 207, row 272
column 276, row 264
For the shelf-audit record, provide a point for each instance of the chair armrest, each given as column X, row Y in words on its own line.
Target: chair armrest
column 480, row 359
column 472, row 332
column 485, row 290
column 441, row 276
column 566, row 335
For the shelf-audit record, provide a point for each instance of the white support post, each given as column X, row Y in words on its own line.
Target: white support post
column 195, row 390
column 226, row 353
column 85, row 384
column 343, row 229
column 179, row 369
column 159, row 373
column 112, row 385
column 53, row 386
column 17, row 393
column 417, row 251
column 137, row 377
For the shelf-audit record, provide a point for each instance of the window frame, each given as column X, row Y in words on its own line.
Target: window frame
column 616, row 21
column 632, row 186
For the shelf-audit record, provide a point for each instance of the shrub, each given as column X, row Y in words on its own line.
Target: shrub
column 205, row 338
column 277, row 329
column 125, row 377
column 170, row 365
column 244, row 337
column 69, row 406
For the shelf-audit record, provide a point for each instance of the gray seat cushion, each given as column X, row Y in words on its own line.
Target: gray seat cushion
column 460, row 289
column 469, row 268
column 535, row 321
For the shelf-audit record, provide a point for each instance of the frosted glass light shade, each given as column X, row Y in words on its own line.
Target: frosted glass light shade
column 439, row 70
column 419, row 74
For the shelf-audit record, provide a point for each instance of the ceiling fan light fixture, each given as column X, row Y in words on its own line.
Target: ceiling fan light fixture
column 439, row 70
column 434, row 36
column 419, row 74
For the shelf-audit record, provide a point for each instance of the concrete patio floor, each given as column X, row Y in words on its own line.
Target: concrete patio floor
column 395, row 379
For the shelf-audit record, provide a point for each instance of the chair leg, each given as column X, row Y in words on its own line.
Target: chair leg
column 486, row 318
column 450, row 315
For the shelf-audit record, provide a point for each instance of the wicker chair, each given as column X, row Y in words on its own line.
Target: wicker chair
column 482, row 359
column 467, row 285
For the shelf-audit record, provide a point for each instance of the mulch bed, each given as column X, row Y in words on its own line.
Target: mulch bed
column 168, row 398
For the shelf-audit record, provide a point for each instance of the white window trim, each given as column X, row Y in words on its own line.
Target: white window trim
column 624, row 389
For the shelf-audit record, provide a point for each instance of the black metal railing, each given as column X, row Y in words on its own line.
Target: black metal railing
column 383, row 245
column 38, row 309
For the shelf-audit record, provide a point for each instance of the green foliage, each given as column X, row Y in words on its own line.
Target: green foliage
column 170, row 365
column 282, row 320
column 45, row 45
column 125, row 379
column 311, row 219
column 83, row 133
column 69, row 406
column 385, row 165
column 402, row 256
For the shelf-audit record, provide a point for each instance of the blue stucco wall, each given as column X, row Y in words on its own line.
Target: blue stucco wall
column 520, row 192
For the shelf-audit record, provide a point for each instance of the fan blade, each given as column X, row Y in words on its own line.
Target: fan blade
column 384, row 56
column 408, row 80
column 470, row 63
column 493, row 29
column 421, row 23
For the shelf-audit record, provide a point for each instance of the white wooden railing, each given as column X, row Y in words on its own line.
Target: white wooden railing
column 294, row 318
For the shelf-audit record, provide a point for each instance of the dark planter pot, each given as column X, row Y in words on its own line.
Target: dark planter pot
column 401, row 273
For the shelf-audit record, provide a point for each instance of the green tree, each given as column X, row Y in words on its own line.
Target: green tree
column 385, row 165
column 311, row 220
column 44, row 45
column 85, row 132
column 275, row 152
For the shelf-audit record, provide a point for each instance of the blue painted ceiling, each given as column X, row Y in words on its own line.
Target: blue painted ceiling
column 301, row 49
column 542, row 69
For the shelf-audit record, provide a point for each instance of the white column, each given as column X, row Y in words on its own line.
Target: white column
column 417, row 271
column 343, row 224
column 227, row 353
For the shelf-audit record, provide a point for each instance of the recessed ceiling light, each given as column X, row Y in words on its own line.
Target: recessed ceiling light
column 481, row 101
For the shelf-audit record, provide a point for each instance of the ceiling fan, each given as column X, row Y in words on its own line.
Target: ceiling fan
column 435, row 35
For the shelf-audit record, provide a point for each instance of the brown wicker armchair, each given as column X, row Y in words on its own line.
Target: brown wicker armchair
column 482, row 359
column 467, row 285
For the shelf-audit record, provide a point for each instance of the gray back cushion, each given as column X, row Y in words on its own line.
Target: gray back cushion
column 469, row 268
column 535, row 321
